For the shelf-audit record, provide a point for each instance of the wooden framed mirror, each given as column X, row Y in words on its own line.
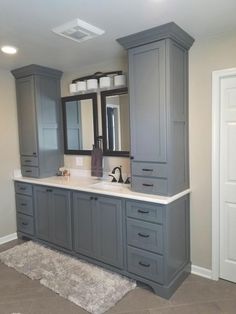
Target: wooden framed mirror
column 115, row 122
column 80, row 123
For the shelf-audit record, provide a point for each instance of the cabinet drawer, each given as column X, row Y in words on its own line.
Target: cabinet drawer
column 145, row 264
column 144, row 211
column 30, row 172
column 149, row 185
column 145, row 235
column 29, row 161
column 24, row 204
column 23, row 188
column 149, row 169
column 25, row 224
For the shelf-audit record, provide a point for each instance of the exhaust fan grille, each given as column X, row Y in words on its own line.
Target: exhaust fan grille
column 78, row 30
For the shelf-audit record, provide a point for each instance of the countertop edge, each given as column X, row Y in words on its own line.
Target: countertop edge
column 164, row 200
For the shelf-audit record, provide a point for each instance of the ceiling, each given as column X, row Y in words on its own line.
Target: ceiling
column 27, row 24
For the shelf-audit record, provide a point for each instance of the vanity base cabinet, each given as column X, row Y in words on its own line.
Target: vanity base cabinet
column 145, row 241
column 98, row 227
column 53, row 216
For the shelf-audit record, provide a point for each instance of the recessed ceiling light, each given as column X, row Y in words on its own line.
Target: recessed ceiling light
column 9, row 50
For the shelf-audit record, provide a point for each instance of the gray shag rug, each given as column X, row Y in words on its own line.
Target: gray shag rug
column 90, row 287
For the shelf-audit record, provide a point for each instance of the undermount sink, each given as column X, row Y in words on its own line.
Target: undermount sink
column 110, row 186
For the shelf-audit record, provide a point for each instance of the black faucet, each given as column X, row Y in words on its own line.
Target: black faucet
column 120, row 180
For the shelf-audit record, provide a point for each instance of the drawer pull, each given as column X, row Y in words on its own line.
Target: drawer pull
column 23, row 204
column 144, row 264
column 27, row 160
column 48, row 190
column 28, row 171
column 143, row 211
column 22, row 189
column 143, row 235
column 24, row 223
column 147, row 184
column 146, row 169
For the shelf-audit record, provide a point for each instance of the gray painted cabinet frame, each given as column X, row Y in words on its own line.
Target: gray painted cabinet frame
column 144, row 241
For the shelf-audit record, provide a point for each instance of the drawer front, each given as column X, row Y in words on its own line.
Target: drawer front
column 149, row 169
column 23, row 188
column 145, row 264
column 30, row 172
column 25, row 224
column 29, row 161
column 145, row 235
column 149, row 185
column 144, row 211
column 24, row 204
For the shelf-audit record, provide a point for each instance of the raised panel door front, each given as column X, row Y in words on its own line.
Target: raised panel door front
column 109, row 231
column 42, row 213
column 83, row 224
column 147, row 102
column 26, row 116
column 61, row 218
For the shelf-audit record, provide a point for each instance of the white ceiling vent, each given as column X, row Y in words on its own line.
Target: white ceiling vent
column 78, row 30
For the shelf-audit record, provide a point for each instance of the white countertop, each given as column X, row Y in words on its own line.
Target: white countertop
column 88, row 184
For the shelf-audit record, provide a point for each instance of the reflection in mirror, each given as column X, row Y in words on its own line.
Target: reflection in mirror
column 80, row 123
column 115, row 122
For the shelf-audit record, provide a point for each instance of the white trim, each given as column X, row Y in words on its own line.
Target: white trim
column 8, row 238
column 216, row 77
column 200, row 271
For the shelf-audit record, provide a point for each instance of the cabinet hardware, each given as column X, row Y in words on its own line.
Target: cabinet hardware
column 91, row 198
column 144, row 264
column 34, row 153
column 131, row 157
column 22, row 189
column 95, row 198
column 146, row 169
column 147, row 184
column 27, row 160
column 23, row 204
column 143, row 235
column 143, row 211
column 25, row 223
column 28, row 171
column 48, row 190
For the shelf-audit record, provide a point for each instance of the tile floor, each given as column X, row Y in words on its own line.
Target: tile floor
column 197, row 295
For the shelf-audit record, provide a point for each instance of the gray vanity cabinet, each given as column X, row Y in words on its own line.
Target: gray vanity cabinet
column 98, row 231
column 39, row 120
column 158, row 89
column 53, row 215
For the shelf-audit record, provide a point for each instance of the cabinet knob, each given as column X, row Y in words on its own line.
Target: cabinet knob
column 91, row 198
column 95, row 198
column 34, row 153
column 131, row 157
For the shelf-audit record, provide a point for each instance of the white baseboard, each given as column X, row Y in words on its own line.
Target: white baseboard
column 200, row 271
column 8, row 238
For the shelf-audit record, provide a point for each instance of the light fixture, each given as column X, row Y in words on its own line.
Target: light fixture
column 9, row 50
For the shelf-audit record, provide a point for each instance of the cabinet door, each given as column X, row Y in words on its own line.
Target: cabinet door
column 42, row 212
column 26, row 116
column 109, row 231
column 61, row 218
column 147, row 102
column 83, row 224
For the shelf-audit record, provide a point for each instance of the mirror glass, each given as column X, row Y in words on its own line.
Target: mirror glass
column 80, row 123
column 115, row 122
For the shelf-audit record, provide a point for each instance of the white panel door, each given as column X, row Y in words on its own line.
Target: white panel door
column 228, row 178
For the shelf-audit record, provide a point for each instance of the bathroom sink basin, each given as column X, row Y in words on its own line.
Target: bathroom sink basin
column 109, row 186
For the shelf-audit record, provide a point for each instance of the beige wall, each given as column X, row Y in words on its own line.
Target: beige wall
column 205, row 57
column 9, row 156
